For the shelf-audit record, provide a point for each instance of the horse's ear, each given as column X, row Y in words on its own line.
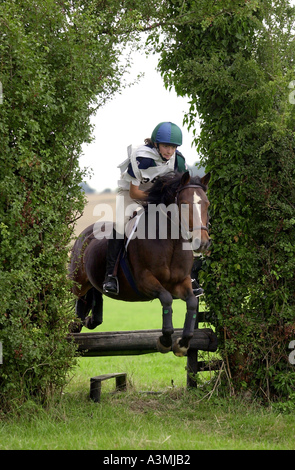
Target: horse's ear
column 185, row 179
column 205, row 180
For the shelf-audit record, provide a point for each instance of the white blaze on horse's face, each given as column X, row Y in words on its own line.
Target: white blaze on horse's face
column 197, row 208
column 197, row 198
column 193, row 224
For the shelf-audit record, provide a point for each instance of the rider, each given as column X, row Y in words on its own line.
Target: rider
column 157, row 157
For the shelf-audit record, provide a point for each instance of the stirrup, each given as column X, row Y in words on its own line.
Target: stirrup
column 111, row 285
column 197, row 290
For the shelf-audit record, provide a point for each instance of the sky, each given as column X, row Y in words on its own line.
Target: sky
column 129, row 118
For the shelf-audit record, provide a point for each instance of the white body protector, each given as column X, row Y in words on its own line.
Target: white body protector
column 143, row 176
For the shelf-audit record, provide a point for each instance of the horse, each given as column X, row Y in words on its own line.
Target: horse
column 159, row 267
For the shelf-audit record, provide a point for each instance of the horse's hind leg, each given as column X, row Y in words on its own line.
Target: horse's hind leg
column 82, row 308
column 95, row 319
column 91, row 301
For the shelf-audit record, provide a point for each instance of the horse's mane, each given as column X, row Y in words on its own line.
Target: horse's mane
column 165, row 187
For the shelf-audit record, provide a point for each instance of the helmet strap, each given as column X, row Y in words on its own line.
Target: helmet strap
column 158, row 150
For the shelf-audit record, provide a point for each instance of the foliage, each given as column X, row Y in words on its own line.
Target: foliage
column 59, row 61
column 152, row 408
column 234, row 60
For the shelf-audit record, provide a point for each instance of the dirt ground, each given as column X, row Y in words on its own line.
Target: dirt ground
column 94, row 200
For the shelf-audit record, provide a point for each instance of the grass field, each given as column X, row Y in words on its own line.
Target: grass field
column 156, row 413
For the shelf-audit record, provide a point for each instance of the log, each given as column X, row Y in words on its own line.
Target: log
column 125, row 343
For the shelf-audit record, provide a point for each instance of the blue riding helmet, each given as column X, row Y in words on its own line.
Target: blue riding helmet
column 167, row 133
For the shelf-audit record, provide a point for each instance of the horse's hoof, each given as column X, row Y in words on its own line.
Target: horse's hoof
column 178, row 350
column 161, row 348
column 75, row 327
column 89, row 323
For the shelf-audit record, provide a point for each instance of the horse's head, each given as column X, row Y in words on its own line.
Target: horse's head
column 186, row 195
column 193, row 206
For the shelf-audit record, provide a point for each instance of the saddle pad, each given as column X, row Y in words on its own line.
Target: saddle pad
column 128, row 274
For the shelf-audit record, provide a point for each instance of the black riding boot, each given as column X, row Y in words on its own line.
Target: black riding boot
column 111, row 285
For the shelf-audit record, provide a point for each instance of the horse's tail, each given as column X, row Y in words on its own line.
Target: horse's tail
column 76, row 267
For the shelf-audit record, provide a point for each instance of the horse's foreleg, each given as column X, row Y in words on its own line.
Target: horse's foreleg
column 154, row 289
column 181, row 345
column 164, row 343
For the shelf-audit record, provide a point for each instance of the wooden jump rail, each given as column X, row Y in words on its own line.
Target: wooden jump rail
column 126, row 343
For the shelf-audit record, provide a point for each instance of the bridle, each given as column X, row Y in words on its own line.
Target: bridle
column 202, row 227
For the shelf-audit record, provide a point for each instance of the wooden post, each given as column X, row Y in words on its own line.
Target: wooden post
column 95, row 389
column 95, row 384
column 192, row 360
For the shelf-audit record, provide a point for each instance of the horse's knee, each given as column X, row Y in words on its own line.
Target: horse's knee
column 166, row 299
column 192, row 302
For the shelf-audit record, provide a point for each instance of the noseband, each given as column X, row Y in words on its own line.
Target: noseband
column 203, row 227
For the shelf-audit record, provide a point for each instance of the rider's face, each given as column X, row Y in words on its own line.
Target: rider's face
column 167, row 150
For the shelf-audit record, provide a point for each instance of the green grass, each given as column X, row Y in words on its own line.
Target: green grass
column 173, row 419
column 145, row 372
